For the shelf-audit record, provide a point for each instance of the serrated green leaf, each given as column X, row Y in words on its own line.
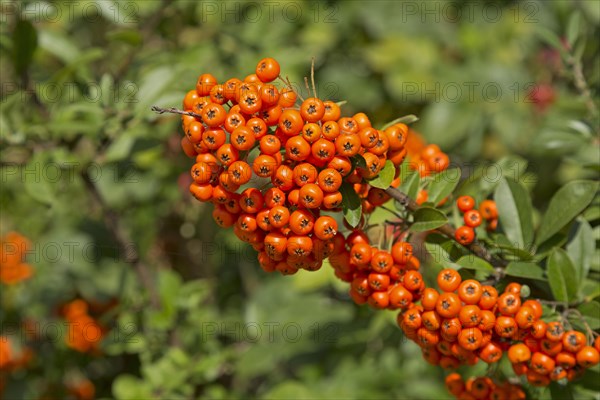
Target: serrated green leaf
column 443, row 184
column 562, row 276
column 514, row 210
column 351, row 205
column 525, row 270
column 25, row 42
column 566, row 204
column 473, row 262
column 581, row 248
column 428, row 218
column 384, row 179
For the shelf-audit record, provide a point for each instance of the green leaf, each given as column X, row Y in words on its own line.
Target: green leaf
column 351, row 205
column 152, row 86
column 590, row 288
column 129, row 36
column 573, row 27
column 428, row 218
column 473, row 262
column 591, row 313
column 526, row 270
column 120, row 148
column 40, row 177
column 558, row 142
column 562, row 276
column 581, row 248
column 561, row 392
column 410, row 185
column 514, row 210
column 358, row 161
column 129, row 387
column 407, row 120
column 384, row 179
column 443, row 184
column 442, row 249
column 552, row 39
column 567, row 203
column 521, row 254
column 24, row 44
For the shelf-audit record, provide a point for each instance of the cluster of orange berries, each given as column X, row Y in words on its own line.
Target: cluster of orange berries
column 466, row 322
column 13, row 250
column 425, row 158
column 482, row 387
column 472, row 217
column 84, row 333
column 271, row 168
column 380, row 278
column 430, row 159
column 81, row 388
column 12, row 359
column 551, row 353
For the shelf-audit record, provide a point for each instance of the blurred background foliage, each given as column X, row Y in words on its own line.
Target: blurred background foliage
column 488, row 79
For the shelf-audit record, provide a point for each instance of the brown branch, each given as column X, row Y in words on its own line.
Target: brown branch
column 582, row 85
column 130, row 254
column 173, row 110
column 447, row 230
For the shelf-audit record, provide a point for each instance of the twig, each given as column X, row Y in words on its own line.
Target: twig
column 306, row 84
column 287, row 83
column 394, row 213
column 447, row 230
column 111, row 219
column 312, row 77
column 561, row 304
column 582, row 85
column 173, row 110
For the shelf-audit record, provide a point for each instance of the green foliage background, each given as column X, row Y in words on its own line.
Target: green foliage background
column 76, row 97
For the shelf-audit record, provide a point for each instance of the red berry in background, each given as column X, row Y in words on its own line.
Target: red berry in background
column 542, row 96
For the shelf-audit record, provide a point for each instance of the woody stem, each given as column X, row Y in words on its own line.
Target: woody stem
column 448, row 230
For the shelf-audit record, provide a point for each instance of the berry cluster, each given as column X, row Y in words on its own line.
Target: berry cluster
column 84, row 333
column 482, row 387
column 465, row 234
column 275, row 172
column 382, row 279
column 271, row 169
column 430, row 159
column 550, row 353
column 466, row 322
column 13, row 268
column 12, row 359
